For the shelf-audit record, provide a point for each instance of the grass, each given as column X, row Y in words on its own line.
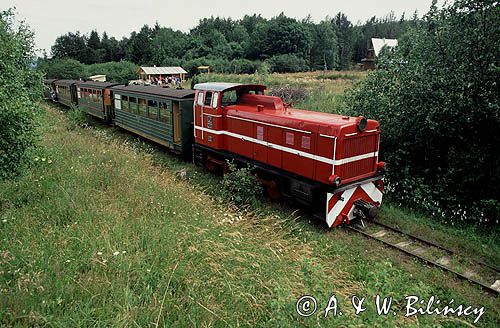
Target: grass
column 103, row 232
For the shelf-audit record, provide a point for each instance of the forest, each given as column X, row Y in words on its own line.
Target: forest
column 282, row 43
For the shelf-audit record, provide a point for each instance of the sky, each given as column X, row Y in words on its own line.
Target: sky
column 51, row 18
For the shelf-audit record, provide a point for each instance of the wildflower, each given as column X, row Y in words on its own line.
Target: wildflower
column 116, row 253
column 43, row 159
column 99, row 253
column 124, row 252
column 49, row 161
column 67, row 261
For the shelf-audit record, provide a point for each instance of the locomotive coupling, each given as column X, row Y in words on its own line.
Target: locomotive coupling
column 365, row 209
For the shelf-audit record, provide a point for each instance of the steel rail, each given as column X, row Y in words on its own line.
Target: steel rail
column 430, row 262
column 433, row 244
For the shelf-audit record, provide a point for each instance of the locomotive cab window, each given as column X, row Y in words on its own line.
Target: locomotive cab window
column 199, row 101
column 215, row 100
column 229, row 98
column 208, row 98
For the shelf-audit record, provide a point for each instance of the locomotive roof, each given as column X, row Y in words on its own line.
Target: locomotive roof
column 156, row 91
column 49, row 81
column 65, row 82
column 223, row 86
column 96, row 84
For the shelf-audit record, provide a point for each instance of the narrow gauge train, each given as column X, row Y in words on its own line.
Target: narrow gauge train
column 326, row 162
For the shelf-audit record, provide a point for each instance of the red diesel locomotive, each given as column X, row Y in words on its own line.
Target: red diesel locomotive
column 326, row 161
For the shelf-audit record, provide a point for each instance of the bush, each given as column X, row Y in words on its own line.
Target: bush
column 438, row 104
column 289, row 94
column 241, row 185
column 287, row 63
column 20, row 87
column 62, row 68
column 119, row 72
column 77, row 118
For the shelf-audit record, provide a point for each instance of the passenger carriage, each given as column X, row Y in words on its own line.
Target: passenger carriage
column 49, row 90
column 95, row 98
column 163, row 115
column 66, row 92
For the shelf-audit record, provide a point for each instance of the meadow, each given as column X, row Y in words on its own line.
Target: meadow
column 103, row 232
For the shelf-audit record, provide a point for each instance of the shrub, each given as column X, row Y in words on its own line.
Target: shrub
column 20, row 87
column 241, row 185
column 289, row 94
column 62, row 68
column 437, row 101
column 77, row 118
column 287, row 63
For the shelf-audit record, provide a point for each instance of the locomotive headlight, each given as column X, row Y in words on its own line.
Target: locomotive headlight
column 362, row 122
column 334, row 180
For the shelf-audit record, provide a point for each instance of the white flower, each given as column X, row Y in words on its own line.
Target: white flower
column 4, row 220
column 116, row 253
column 99, row 253
column 124, row 252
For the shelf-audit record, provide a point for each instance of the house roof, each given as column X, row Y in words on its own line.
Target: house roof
column 156, row 91
column 162, row 70
column 378, row 44
column 221, row 86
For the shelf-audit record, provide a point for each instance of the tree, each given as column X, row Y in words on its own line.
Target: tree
column 345, row 40
column 324, row 53
column 286, row 36
column 72, row 45
column 20, row 87
column 62, row 68
column 437, row 100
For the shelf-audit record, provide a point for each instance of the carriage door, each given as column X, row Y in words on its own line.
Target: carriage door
column 177, row 121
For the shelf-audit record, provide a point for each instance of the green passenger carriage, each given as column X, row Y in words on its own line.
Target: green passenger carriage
column 95, row 99
column 66, row 92
column 162, row 115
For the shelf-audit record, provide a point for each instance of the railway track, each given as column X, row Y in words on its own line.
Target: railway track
column 475, row 271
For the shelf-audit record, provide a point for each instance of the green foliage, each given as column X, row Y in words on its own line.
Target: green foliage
column 237, row 46
column 241, row 185
column 438, row 103
column 287, row 63
column 20, row 87
column 120, row 72
column 77, row 118
column 62, row 68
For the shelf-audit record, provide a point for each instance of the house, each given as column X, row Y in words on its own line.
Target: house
column 98, row 78
column 374, row 48
column 148, row 73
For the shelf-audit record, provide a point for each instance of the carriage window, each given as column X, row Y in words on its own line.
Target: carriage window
column 125, row 103
column 164, row 113
column 229, row 98
column 208, row 98
column 142, row 107
column 215, row 100
column 200, row 98
column 133, row 104
column 152, row 109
